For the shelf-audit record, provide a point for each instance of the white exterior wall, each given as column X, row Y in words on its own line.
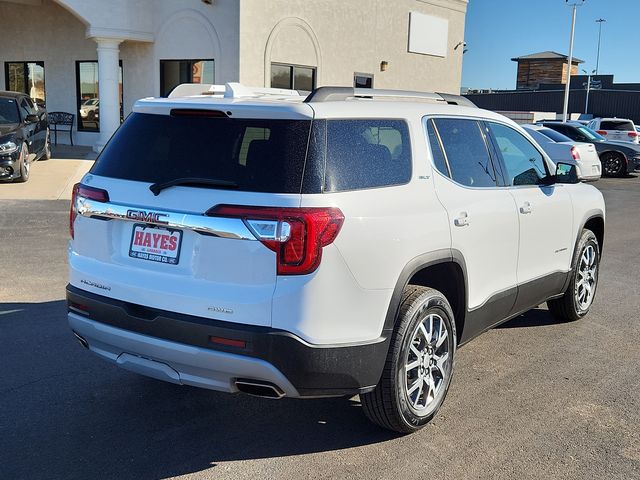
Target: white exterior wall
column 342, row 37
column 338, row 37
column 150, row 30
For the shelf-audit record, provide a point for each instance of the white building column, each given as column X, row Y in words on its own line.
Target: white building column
column 108, row 88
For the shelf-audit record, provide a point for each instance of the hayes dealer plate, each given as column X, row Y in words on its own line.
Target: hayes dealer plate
column 155, row 244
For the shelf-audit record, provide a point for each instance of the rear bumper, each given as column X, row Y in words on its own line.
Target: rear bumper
column 177, row 348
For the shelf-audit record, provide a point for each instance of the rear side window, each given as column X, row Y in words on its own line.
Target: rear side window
column 553, row 135
column 256, row 155
column 620, row 125
column 366, row 154
column 466, row 152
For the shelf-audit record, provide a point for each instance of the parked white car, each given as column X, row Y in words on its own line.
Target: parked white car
column 562, row 149
column 620, row 129
column 343, row 243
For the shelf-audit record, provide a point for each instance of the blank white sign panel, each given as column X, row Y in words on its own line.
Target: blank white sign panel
column 428, row 35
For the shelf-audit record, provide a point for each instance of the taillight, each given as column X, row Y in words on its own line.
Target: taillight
column 633, row 134
column 84, row 191
column 297, row 235
column 575, row 153
column 602, row 132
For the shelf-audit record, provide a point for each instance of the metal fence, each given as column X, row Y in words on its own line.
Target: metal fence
column 602, row 103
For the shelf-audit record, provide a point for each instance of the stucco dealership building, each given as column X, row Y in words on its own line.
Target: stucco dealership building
column 94, row 58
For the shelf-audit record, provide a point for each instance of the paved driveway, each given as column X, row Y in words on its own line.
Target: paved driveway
column 533, row 399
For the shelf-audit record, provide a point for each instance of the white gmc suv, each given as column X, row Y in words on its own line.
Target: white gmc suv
column 345, row 243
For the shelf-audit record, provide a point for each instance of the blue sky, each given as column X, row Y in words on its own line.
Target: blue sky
column 498, row 30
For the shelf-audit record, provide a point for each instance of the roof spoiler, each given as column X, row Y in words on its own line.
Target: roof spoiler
column 229, row 90
column 337, row 94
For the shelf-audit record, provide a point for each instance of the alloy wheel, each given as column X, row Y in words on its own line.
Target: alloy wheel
column 587, row 277
column 428, row 363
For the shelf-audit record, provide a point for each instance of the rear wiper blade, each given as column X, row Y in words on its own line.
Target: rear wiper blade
column 156, row 188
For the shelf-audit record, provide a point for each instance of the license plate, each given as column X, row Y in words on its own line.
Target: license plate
column 155, row 244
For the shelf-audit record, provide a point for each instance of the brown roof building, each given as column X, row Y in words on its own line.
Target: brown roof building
column 544, row 67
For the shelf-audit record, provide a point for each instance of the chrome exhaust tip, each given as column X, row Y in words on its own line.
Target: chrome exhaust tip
column 258, row 388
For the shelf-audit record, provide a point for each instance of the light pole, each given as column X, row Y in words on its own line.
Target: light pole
column 600, row 21
column 565, row 109
column 586, row 103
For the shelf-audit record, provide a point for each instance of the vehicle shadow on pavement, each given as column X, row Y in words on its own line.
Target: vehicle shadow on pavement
column 533, row 318
column 68, row 414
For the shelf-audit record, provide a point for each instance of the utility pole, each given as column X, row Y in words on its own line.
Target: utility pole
column 574, row 4
column 600, row 21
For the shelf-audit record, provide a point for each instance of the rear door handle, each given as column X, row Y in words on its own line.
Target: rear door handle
column 462, row 220
column 526, row 208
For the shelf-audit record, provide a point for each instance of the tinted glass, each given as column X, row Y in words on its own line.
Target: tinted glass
column 436, row 150
column 537, row 135
column 590, row 134
column 280, row 76
column 525, row 164
column 466, row 152
column 88, row 96
column 553, row 135
column 367, row 154
column 303, row 78
column 257, row 155
column 8, row 111
column 620, row 125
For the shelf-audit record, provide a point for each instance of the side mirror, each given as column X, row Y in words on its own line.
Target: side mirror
column 566, row 173
column 32, row 119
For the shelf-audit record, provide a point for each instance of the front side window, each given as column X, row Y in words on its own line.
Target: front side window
column 466, row 152
column 176, row 72
column 87, row 82
column 524, row 163
column 366, row 154
column 26, row 77
column 293, row 77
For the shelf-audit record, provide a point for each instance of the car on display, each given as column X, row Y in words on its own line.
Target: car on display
column 24, row 136
column 620, row 129
column 563, row 149
column 618, row 158
column 331, row 245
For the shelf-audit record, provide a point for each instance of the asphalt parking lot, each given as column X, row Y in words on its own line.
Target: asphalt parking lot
column 532, row 399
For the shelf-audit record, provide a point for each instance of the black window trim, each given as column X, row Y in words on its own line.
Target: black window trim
column 411, row 157
column 77, row 113
column 499, row 177
column 503, row 165
column 293, row 66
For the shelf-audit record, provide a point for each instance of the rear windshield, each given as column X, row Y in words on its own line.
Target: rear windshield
column 256, row 155
column 621, row 125
column 553, row 135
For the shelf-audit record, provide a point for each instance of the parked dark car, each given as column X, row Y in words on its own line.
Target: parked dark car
column 24, row 136
column 617, row 158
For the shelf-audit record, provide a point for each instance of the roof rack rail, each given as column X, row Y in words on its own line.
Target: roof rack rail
column 229, row 90
column 337, row 94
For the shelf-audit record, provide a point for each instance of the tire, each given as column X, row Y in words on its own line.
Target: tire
column 47, row 147
column 25, row 165
column 399, row 402
column 578, row 298
column 613, row 164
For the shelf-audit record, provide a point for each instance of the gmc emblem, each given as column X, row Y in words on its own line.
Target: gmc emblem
column 147, row 217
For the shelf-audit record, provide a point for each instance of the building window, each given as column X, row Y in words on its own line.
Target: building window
column 176, row 72
column 294, row 77
column 26, row 77
column 87, row 83
column 363, row 80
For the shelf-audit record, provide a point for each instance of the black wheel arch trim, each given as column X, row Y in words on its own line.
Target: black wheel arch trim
column 437, row 257
column 592, row 215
